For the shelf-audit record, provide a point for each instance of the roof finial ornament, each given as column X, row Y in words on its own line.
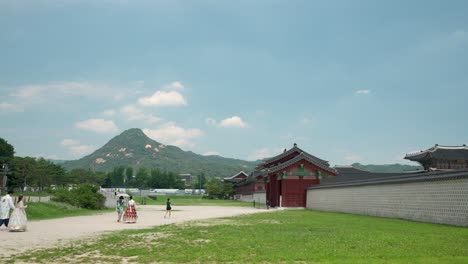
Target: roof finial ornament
column 295, row 145
column 436, row 145
column 284, row 150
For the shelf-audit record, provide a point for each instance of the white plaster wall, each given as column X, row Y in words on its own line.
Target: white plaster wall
column 260, row 197
column 246, row 198
column 439, row 201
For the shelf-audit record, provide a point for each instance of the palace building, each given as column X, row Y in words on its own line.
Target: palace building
column 282, row 181
column 441, row 157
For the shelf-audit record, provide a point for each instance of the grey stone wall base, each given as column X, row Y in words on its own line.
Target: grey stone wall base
column 439, row 201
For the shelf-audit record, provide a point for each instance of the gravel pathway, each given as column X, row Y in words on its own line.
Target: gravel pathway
column 54, row 232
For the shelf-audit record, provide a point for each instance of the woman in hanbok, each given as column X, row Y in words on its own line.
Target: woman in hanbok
column 18, row 219
column 130, row 215
column 120, row 208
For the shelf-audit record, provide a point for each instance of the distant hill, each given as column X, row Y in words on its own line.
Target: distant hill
column 58, row 162
column 388, row 168
column 133, row 148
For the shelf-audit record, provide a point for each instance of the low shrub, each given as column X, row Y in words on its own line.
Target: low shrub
column 83, row 196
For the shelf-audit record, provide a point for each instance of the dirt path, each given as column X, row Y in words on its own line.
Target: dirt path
column 49, row 233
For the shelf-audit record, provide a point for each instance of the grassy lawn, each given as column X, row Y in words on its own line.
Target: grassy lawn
column 289, row 236
column 191, row 200
column 50, row 210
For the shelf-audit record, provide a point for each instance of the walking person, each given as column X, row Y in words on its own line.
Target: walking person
column 6, row 204
column 130, row 215
column 18, row 219
column 120, row 208
column 168, row 208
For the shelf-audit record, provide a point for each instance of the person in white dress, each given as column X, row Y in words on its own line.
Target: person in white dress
column 18, row 219
column 6, row 204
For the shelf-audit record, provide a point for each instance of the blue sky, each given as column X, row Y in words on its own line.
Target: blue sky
column 349, row 81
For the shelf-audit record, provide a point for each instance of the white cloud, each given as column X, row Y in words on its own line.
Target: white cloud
column 306, row 120
column 76, row 148
column 132, row 112
column 171, row 134
column 10, row 108
column 97, row 125
column 163, row 98
column 234, row 121
column 210, row 121
column 174, row 86
column 353, row 158
column 82, row 149
column 211, row 153
column 42, row 93
column 264, row 153
column 362, row 92
column 69, row 142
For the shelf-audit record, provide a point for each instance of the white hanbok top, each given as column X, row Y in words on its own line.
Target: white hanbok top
column 132, row 202
column 6, row 203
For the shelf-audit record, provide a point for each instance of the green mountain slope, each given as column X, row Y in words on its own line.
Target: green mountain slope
column 387, row 168
column 133, row 148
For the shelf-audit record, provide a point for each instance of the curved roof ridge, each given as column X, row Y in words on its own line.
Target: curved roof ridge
column 283, row 154
column 450, row 147
column 302, row 155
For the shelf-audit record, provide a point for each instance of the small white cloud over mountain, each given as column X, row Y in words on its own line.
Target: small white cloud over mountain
column 211, row 153
column 234, row 121
column 362, row 92
column 163, row 98
column 97, row 125
column 76, row 148
column 171, row 134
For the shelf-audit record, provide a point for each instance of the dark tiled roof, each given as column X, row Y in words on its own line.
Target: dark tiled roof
column 317, row 162
column 291, row 151
column 350, row 177
column 349, row 170
column 440, row 152
column 235, row 175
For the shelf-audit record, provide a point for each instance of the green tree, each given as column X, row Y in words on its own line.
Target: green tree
column 228, row 190
column 142, row 178
column 6, row 149
column 129, row 176
column 24, row 171
column 117, row 176
column 200, row 182
column 214, row 188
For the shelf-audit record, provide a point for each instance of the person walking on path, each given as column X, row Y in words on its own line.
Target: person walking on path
column 130, row 215
column 168, row 208
column 18, row 219
column 120, row 208
column 6, row 204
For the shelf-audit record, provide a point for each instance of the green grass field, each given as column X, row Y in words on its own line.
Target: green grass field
column 50, row 210
column 191, row 200
column 288, row 236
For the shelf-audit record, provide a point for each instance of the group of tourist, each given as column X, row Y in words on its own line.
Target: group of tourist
column 18, row 220
column 129, row 214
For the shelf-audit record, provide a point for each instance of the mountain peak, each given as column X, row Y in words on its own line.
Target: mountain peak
column 134, row 136
column 133, row 132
